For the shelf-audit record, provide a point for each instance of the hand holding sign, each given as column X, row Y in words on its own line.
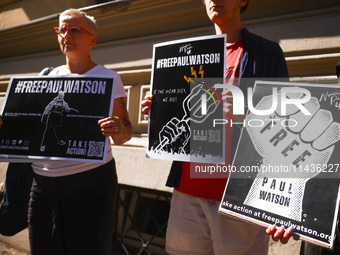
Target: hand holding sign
column 294, row 147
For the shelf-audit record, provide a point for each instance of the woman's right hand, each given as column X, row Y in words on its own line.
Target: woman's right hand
column 146, row 104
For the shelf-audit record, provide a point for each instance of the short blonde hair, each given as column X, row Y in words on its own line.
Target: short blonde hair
column 90, row 21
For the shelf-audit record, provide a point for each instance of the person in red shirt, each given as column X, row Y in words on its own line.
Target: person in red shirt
column 195, row 226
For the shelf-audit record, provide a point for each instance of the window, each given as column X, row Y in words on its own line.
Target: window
column 142, row 217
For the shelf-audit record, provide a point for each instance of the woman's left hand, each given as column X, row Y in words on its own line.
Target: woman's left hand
column 118, row 126
column 111, row 126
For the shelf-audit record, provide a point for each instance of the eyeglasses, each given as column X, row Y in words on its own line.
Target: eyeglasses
column 75, row 31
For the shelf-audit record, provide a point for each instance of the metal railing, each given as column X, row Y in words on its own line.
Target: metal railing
column 142, row 217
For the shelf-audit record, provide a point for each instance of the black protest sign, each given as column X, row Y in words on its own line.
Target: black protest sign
column 286, row 168
column 55, row 118
column 185, row 102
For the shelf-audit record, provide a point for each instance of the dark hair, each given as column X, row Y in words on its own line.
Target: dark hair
column 244, row 8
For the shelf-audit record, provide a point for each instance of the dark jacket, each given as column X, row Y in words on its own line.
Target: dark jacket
column 261, row 58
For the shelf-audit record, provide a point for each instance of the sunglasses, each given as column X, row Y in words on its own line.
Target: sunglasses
column 74, row 31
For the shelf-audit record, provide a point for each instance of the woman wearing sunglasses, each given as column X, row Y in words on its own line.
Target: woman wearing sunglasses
column 72, row 205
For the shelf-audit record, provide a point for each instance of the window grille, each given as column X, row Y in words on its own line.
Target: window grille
column 142, row 217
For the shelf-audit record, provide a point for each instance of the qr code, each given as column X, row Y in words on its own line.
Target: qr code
column 96, row 149
column 214, row 136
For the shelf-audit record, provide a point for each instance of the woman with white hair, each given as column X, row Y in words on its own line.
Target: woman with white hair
column 72, row 206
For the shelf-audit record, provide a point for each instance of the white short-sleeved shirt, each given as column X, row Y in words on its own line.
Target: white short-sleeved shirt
column 55, row 168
